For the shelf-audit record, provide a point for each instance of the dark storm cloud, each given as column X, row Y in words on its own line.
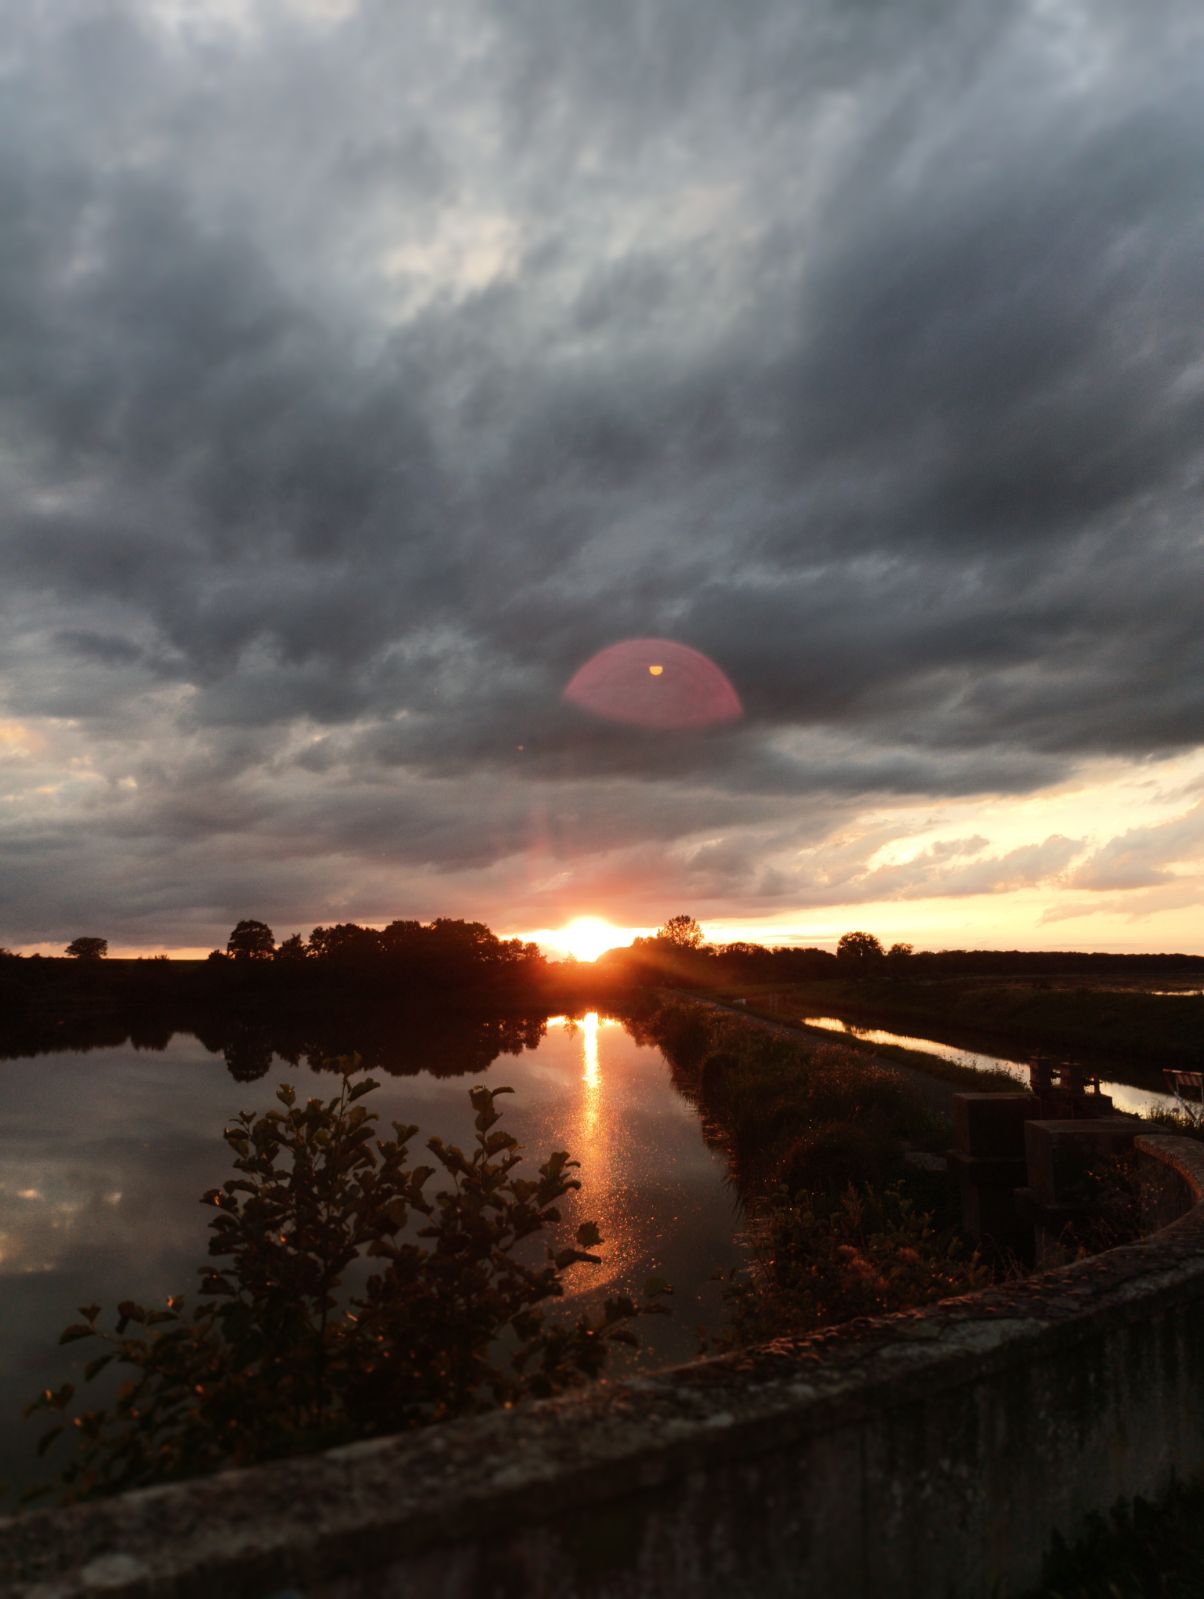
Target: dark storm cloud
column 360, row 376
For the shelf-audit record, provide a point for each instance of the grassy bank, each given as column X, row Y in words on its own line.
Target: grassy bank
column 1145, row 1030
column 818, row 1137
column 971, row 1078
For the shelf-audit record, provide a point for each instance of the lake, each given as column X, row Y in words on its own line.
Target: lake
column 104, row 1155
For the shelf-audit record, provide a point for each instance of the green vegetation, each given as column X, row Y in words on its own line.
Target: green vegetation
column 817, row 1136
column 766, row 1090
column 277, row 1360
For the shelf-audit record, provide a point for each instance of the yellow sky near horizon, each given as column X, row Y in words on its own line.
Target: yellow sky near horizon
column 1112, row 859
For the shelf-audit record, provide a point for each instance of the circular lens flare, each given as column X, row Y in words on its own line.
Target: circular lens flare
column 653, row 682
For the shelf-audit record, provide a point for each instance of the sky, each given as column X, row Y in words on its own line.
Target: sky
column 367, row 368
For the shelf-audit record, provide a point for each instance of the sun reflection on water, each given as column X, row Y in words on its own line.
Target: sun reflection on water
column 594, row 1142
column 589, row 1055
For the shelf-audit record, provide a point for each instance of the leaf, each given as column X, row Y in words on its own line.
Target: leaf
column 588, row 1234
column 77, row 1330
column 47, row 1438
column 619, row 1308
column 99, row 1364
column 564, row 1258
column 623, row 1335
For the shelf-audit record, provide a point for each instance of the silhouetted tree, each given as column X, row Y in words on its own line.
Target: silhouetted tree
column 345, row 941
column 88, row 949
column 861, row 953
column 681, row 931
column 292, row 949
column 898, row 957
column 251, row 940
column 402, row 939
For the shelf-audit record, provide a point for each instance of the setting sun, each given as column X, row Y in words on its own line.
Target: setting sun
column 587, row 937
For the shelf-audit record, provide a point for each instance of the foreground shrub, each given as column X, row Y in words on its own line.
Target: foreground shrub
column 275, row 1361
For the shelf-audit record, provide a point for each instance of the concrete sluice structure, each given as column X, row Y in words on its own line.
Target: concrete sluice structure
column 930, row 1453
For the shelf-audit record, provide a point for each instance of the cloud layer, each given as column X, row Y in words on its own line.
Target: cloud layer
column 366, row 368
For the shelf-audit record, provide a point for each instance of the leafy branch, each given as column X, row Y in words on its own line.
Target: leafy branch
column 277, row 1358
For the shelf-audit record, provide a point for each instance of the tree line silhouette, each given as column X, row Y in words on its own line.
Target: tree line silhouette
column 445, row 950
column 446, row 997
column 679, row 956
column 447, row 961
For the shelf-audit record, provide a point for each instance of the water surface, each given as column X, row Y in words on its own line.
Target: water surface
column 1126, row 1099
column 104, row 1156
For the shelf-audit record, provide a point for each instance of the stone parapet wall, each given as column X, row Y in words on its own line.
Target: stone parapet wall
column 918, row 1456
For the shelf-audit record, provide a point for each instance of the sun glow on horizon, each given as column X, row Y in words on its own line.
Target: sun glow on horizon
column 587, row 937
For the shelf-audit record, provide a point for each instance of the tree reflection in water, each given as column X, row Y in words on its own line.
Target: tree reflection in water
column 445, row 1043
column 440, row 1043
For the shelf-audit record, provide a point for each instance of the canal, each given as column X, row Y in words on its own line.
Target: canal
column 1126, row 1098
column 105, row 1153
